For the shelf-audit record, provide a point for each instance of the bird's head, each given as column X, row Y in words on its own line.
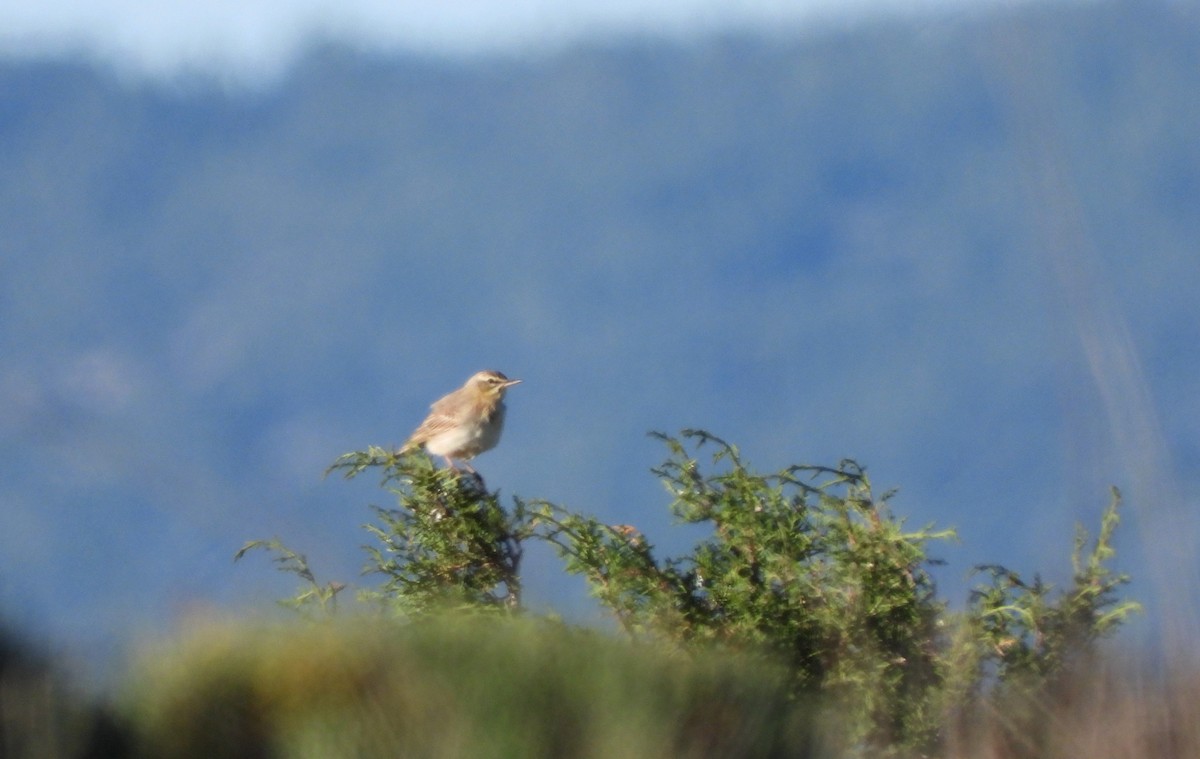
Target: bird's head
column 490, row 384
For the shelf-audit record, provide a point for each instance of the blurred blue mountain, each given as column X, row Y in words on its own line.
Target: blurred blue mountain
column 815, row 246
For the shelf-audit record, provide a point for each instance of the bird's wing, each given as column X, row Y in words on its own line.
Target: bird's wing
column 444, row 406
column 440, row 419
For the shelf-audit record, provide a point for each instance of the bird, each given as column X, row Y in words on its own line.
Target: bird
column 464, row 423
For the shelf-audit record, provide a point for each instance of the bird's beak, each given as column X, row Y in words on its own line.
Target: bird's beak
column 510, row 383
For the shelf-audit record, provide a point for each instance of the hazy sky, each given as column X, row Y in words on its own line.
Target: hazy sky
column 256, row 38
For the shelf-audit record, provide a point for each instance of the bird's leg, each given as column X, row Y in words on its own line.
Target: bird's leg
column 468, row 469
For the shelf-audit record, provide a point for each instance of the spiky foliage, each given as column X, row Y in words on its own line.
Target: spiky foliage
column 447, row 543
column 806, row 563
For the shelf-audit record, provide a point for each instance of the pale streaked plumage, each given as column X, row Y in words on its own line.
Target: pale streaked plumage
column 464, row 423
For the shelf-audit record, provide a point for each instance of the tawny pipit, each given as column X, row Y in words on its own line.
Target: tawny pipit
column 464, row 423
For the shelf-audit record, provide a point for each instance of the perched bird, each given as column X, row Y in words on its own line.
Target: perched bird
column 464, row 423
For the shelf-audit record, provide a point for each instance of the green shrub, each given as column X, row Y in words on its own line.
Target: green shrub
column 806, row 564
column 806, row 568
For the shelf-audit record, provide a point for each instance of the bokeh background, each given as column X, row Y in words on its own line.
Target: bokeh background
column 956, row 241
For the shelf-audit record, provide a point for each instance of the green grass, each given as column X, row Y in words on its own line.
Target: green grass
column 457, row 686
column 489, row 686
